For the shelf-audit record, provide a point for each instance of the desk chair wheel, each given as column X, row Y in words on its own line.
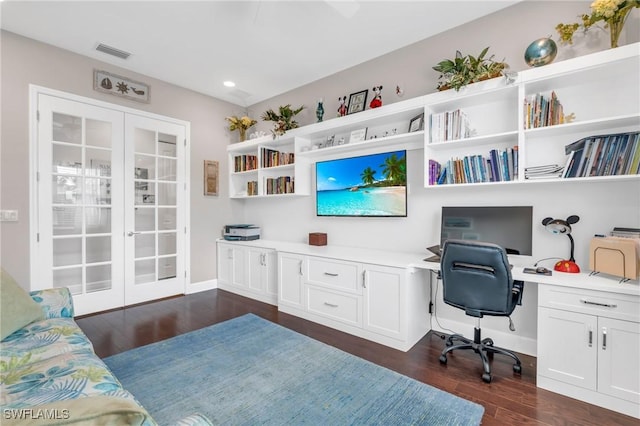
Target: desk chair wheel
column 443, row 359
column 517, row 368
column 487, row 342
column 486, row 377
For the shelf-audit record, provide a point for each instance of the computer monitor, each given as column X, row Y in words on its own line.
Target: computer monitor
column 508, row 226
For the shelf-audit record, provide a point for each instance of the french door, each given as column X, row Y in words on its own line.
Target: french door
column 111, row 201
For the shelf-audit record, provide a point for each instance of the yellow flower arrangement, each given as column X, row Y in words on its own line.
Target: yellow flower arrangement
column 241, row 124
column 613, row 12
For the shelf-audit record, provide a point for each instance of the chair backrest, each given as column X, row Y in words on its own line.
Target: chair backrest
column 476, row 277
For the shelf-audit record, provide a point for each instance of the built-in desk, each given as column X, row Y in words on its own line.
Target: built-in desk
column 588, row 327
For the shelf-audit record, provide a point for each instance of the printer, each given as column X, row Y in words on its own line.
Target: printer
column 241, row 232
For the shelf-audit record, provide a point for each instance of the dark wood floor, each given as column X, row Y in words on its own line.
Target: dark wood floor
column 508, row 400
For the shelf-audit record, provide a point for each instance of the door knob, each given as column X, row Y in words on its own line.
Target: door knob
column 132, row 233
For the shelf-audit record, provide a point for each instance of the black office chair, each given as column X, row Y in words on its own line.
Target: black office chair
column 476, row 277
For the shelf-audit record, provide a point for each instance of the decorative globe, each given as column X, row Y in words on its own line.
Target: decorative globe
column 541, row 52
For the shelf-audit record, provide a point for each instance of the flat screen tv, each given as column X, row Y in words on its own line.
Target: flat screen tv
column 372, row 185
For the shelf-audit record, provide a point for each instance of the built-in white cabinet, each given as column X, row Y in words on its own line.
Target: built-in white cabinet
column 589, row 346
column 386, row 304
column 248, row 271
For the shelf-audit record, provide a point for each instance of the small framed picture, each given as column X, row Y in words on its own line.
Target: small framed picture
column 357, row 101
column 417, row 123
column 358, row 135
column 148, row 198
column 210, row 177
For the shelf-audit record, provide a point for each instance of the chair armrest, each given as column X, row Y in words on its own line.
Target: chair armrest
column 518, row 289
column 55, row 302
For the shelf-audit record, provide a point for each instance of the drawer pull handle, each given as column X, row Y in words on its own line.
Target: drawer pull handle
column 590, row 337
column 604, row 338
column 331, row 274
column 606, row 305
column 330, row 304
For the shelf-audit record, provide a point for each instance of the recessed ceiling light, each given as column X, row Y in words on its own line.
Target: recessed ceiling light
column 229, row 83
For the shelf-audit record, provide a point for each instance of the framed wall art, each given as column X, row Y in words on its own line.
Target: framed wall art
column 211, row 171
column 357, row 101
column 123, row 87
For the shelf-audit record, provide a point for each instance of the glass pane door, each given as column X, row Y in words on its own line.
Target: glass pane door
column 153, row 193
column 80, row 159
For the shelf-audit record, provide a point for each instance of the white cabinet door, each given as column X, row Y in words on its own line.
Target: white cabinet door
column 262, row 271
column 290, row 280
column 618, row 365
column 384, row 295
column 568, row 347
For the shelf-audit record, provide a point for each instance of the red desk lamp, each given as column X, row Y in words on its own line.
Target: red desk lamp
column 559, row 226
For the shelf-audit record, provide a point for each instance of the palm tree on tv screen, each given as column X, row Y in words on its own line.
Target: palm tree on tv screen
column 367, row 176
column 395, row 169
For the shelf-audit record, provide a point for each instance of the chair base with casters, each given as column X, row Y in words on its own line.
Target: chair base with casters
column 483, row 347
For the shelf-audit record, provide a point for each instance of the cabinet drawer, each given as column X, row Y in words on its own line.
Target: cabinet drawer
column 334, row 274
column 611, row 305
column 341, row 307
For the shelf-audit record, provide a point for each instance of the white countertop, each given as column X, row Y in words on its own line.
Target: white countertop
column 398, row 259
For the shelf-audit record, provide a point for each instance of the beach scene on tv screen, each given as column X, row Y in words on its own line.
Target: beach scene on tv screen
column 370, row 185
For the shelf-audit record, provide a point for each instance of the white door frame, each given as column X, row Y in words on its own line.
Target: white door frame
column 34, row 92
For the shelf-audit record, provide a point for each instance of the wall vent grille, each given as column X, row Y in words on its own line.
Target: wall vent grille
column 112, row 51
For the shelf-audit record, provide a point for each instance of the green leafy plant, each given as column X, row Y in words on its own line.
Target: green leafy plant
column 466, row 69
column 283, row 121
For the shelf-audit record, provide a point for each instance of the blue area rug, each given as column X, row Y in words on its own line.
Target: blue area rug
column 248, row 371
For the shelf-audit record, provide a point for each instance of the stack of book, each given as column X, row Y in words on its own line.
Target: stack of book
column 252, row 187
column 548, row 171
column 279, row 185
column 498, row 166
column 606, row 155
column 449, row 125
column 540, row 111
column 243, row 163
column 273, row 158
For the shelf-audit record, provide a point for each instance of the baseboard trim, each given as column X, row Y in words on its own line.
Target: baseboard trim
column 201, row 286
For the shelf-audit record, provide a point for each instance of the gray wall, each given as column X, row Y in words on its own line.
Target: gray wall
column 24, row 62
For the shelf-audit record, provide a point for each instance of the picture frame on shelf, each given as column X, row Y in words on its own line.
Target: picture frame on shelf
column 211, row 178
column 142, row 173
column 417, row 123
column 358, row 135
column 357, row 101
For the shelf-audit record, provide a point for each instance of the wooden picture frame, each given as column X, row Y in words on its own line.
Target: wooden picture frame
column 211, row 177
column 123, row 87
column 417, row 123
column 357, row 101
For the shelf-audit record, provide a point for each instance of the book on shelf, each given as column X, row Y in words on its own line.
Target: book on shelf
column 542, row 111
column 603, row 155
column 279, row 185
column 244, row 163
column 497, row 166
column 274, row 158
column 449, row 125
column 252, row 187
column 547, row 171
column 625, row 232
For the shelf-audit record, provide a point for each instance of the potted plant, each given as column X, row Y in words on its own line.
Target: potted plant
column 241, row 124
column 283, row 121
column 467, row 69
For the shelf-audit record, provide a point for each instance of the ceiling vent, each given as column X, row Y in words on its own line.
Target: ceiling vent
column 112, row 51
